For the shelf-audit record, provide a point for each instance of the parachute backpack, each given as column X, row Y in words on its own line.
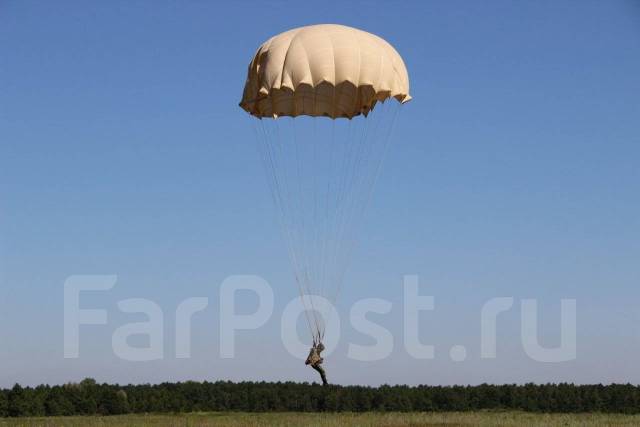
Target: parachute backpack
column 323, row 97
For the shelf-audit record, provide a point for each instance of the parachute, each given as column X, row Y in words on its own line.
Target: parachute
column 322, row 96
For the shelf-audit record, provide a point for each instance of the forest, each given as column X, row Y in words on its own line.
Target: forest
column 91, row 398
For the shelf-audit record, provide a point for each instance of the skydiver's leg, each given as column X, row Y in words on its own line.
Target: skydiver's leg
column 323, row 375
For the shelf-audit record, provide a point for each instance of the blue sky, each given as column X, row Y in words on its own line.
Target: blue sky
column 515, row 173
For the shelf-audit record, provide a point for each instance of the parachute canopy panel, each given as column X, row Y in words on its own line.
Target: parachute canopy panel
column 323, row 70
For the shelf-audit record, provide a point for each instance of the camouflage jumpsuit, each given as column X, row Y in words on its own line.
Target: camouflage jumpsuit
column 315, row 361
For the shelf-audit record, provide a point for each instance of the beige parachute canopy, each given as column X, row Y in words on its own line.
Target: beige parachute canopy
column 323, row 70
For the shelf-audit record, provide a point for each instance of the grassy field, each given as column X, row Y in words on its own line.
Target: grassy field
column 331, row 419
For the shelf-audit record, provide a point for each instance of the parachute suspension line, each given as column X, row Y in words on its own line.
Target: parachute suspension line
column 302, row 195
column 379, row 145
column 323, row 212
column 354, row 191
column 338, row 212
column 348, row 194
column 341, row 169
column 289, row 221
column 327, row 245
column 314, row 227
column 269, row 154
column 322, row 174
column 306, row 231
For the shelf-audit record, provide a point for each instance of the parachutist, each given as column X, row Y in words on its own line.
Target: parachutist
column 315, row 361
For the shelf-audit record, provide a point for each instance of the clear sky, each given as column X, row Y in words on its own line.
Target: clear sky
column 515, row 173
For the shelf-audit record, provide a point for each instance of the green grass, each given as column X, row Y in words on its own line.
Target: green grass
column 332, row 419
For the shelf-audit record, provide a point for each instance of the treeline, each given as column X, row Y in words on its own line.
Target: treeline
column 91, row 398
